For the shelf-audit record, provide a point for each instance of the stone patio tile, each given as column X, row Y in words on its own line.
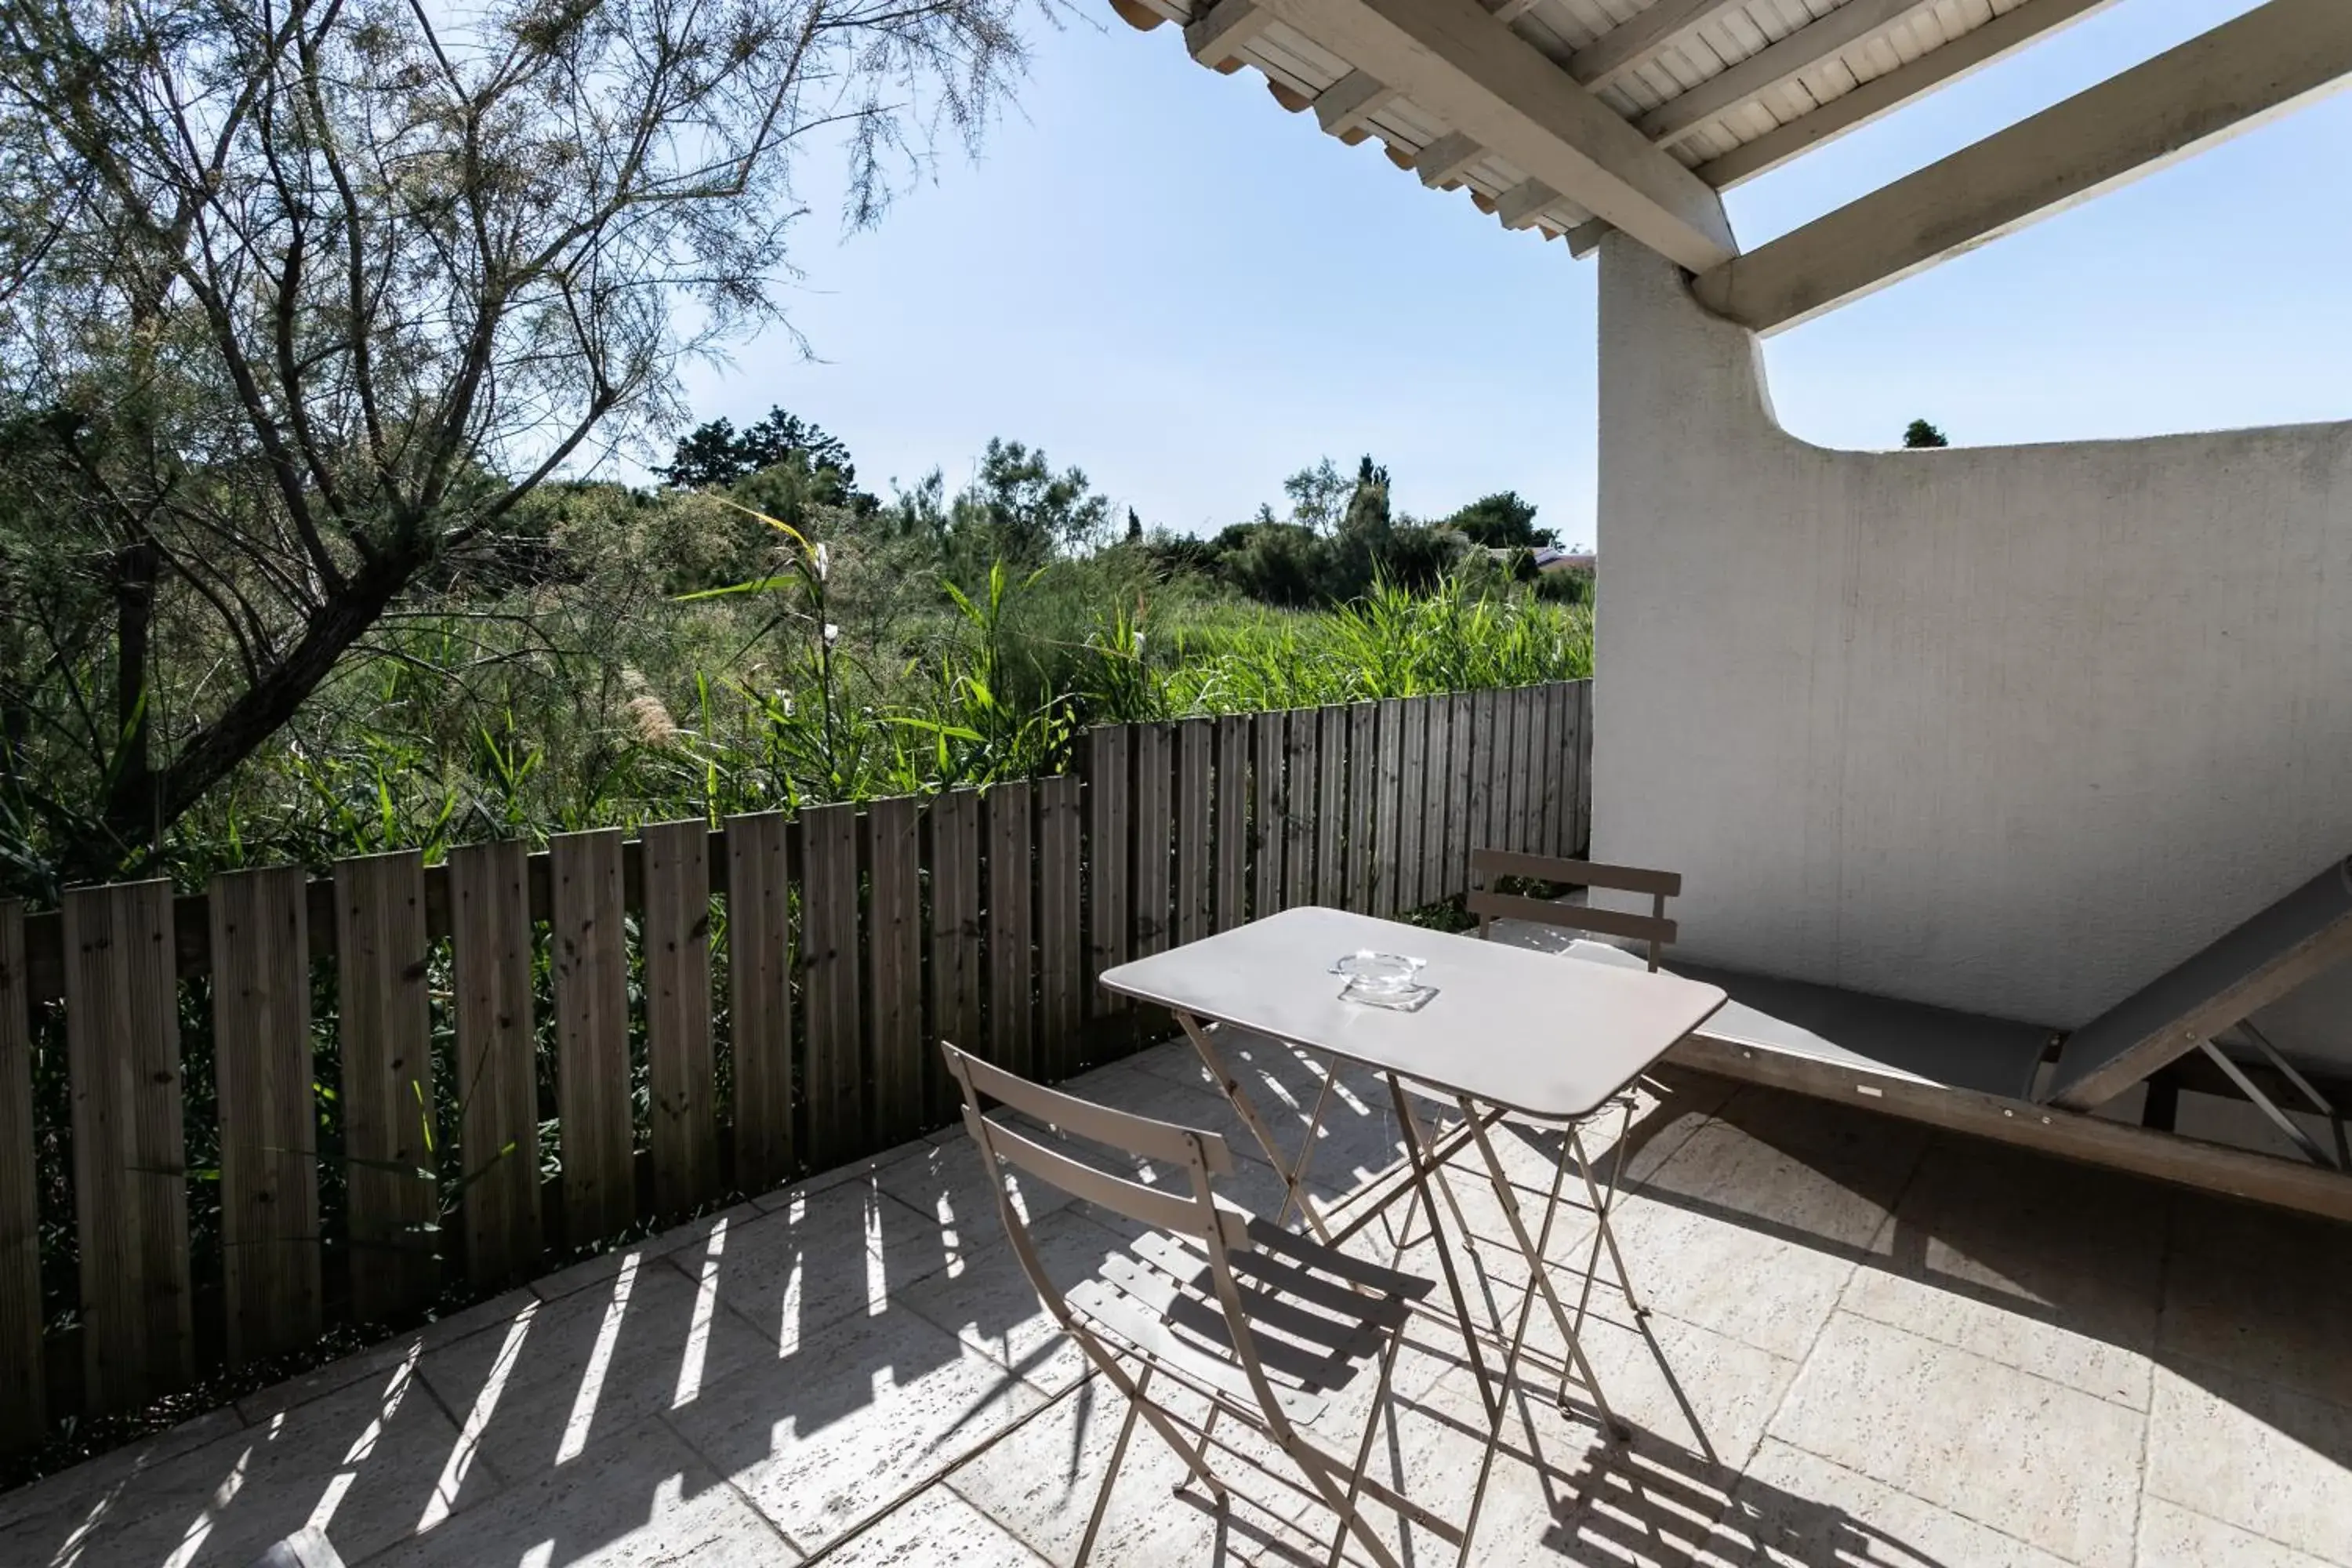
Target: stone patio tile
column 2051, row 1267
column 1796, row 1509
column 1752, row 1227
column 1040, row 1483
column 1129, row 1088
column 2270, row 1461
column 560, row 1375
column 2171, row 1536
column 2261, row 1291
column 1356, row 1138
column 631, row 1499
column 868, row 1170
column 1557, row 1493
column 945, row 1181
column 1696, row 1403
column 825, row 1254
column 2047, row 1463
column 80, row 1487
column 848, row 1420
column 992, row 1306
column 601, row 1267
column 937, row 1526
column 369, row 1464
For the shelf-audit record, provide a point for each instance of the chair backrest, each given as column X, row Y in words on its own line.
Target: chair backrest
column 1489, row 866
column 1185, row 1209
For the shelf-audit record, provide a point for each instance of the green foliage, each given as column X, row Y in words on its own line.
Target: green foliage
column 615, row 656
column 715, row 455
column 1919, row 435
column 1501, row 522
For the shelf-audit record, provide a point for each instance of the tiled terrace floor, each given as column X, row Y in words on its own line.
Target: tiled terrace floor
column 1871, row 1345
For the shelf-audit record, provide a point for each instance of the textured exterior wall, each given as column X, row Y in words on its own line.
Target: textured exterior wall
column 2010, row 729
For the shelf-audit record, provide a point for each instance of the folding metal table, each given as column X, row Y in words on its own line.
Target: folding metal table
column 1505, row 1028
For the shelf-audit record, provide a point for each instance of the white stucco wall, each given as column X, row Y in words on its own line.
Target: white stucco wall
column 2010, row 729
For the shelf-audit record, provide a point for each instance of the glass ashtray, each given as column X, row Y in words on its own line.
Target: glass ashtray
column 1373, row 974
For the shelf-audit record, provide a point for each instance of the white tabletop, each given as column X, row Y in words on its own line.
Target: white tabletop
column 1527, row 1031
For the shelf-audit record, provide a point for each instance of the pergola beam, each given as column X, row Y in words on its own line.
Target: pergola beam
column 2004, row 35
column 1446, row 160
column 1486, row 83
column 1351, row 101
column 2257, row 67
column 1219, row 35
column 1777, row 65
column 1523, row 202
column 1630, row 45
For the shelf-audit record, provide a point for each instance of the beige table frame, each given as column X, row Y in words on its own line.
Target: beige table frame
column 1425, row 1160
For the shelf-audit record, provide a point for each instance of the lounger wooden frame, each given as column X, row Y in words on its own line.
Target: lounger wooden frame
column 2016, row 1120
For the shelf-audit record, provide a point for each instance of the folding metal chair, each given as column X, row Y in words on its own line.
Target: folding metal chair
column 1262, row 1324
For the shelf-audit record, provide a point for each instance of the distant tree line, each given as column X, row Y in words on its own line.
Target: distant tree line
column 1336, row 535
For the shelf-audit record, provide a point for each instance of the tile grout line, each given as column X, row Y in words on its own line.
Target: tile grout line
column 2147, row 1421
column 1959, row 1513
column 727, row 1480
column 1894, row 1208
column 939, row 1478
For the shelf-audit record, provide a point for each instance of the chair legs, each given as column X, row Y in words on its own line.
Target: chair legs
column 1110, row 1474
column 1318, row 1471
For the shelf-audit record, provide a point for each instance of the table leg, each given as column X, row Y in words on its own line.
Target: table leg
column 1538, row 1275
column 1418, row 1167
column 1292, row 1172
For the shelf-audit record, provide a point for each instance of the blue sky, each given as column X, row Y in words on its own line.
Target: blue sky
column 1155, row 273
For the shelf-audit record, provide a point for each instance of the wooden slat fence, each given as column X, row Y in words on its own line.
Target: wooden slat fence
column 532, row 1054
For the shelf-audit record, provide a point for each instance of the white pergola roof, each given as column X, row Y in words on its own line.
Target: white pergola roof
column 1573, row 117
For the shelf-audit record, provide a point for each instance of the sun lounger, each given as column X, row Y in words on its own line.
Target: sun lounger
column 2013, row 1081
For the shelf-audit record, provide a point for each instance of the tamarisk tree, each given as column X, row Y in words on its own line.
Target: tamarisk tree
column 301, row 299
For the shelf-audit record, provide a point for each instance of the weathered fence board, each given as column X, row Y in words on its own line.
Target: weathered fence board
column 760, row 997
column 955, row 948
column 894, row 954
column 1542, row 765
column 1231, row 828
column 1466, row 794
column 1012, row 908
column 1195, row 896
column 588, row 952
column 1388, row 807
column 497, row 1077
column 1511, row 777
column 675, row 935
column 1059, row 976
column 1551, row 765
column 1269, row 824
column 1154, row 827
column 24, row 1392
column 383, row 961
column 1331, row 808
column 269, row 1113
column 1412, row 759
column 1298, row 781
column 832, row 1045
column 1584, row 743
column 1438, row 798
column 130, row 1206
column 1364, row 804
column 1110, row 792
column 1484, row 809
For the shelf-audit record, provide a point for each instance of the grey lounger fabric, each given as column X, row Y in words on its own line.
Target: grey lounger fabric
column 1863, row 1034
